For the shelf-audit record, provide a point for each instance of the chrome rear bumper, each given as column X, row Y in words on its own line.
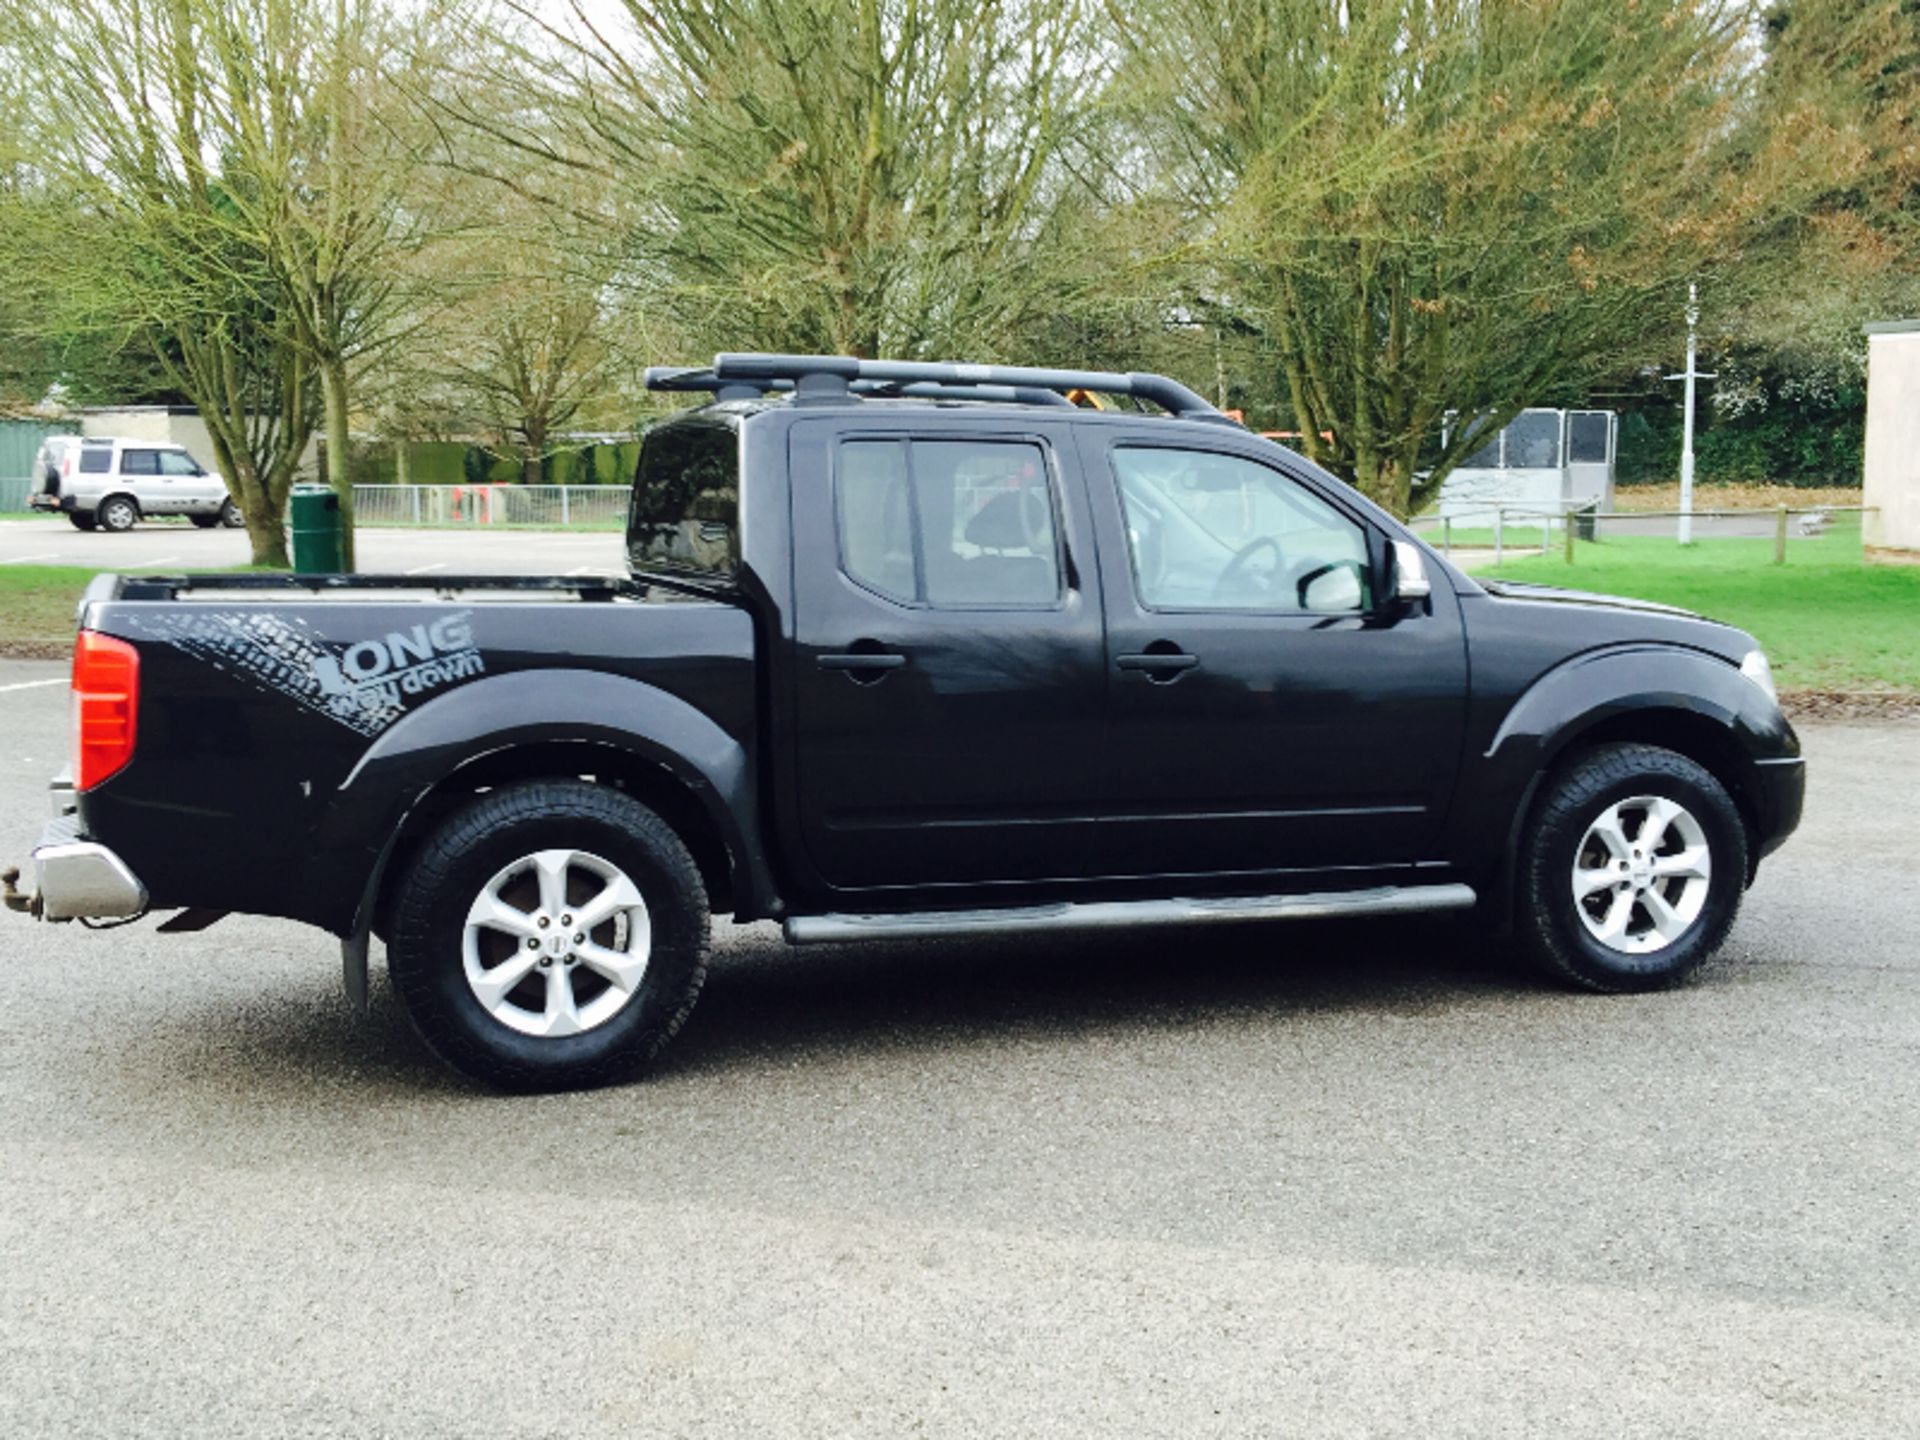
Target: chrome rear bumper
column 77, row 877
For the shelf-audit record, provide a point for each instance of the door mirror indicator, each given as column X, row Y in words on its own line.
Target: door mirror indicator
column 1410, row 580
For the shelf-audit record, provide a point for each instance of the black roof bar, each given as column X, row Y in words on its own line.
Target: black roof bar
column 735, row 375
column 702, row 378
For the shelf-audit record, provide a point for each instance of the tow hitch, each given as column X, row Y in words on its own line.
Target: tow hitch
column 12, row 897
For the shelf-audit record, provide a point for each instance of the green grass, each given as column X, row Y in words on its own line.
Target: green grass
column 1828, row 621
column 36, row 607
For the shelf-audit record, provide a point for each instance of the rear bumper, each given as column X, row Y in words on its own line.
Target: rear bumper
column 1780, row 791
column 78, row 877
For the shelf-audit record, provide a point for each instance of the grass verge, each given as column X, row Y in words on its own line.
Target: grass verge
column 37, row 608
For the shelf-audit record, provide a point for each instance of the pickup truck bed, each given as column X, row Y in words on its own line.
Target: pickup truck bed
column 310, row 714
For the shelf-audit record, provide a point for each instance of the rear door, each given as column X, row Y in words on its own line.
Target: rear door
column 949, row 659
column 1265, row 714
column 141, row 476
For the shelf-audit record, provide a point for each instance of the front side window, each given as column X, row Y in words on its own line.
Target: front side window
column 140, row 462
column 177, row 462
column 949, row 523
column 1218, row 532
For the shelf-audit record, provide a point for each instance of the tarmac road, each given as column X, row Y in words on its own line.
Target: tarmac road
column 173, row 546
column 1353, row 1180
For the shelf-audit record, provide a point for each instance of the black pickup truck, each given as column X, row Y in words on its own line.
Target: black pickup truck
column 910, row 650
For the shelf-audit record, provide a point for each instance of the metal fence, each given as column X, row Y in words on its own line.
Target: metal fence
column 14, row 490
column 1491, row 534
column 576, row 507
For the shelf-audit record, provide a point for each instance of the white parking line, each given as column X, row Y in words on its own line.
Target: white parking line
column 149, row 564
column 29, row 559
column 33, row 684
column 423, row 569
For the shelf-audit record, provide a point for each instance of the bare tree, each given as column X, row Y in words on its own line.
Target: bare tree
column 1429, row 205
column 876, row 175
column 122, row 223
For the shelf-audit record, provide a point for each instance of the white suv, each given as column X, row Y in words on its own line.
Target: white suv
column 110, row 484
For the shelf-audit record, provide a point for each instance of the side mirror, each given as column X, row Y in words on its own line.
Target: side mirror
column 1410, row 580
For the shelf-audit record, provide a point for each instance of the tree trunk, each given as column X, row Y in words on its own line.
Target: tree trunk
column 1383, row 478
column 333, row 393
column 402, row 463
column 533, row 454
column 268, row 535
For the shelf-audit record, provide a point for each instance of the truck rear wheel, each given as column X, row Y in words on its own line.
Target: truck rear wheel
column 1633, row 867
column 551, row 935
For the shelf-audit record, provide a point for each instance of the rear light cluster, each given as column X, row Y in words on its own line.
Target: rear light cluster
column 106, row 704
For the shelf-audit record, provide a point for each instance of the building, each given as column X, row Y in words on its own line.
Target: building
column 1891, row 526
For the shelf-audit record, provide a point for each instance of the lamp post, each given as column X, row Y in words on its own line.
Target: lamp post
column 1690, row 374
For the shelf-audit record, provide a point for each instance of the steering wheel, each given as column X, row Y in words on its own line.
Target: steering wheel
column 1239, row 561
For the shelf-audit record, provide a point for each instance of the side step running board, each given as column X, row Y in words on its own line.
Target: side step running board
column 1116, row 914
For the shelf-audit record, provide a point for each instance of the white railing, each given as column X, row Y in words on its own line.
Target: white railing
column 578, row 507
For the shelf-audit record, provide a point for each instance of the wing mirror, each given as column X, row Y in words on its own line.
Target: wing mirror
column 1410, row 580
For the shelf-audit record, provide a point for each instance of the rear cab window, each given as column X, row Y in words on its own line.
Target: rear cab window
column 684, row 518
column 95, row 459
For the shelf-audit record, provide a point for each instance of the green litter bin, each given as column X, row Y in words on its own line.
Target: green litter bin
column 319, row 537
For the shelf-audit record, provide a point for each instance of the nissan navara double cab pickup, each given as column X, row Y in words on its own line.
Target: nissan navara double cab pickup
column 911, row 650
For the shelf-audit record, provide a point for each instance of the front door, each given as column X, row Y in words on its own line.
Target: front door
column 1265, row 714
column 948, row 663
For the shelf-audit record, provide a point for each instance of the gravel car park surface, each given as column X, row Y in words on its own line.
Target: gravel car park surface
column 1275, row 1180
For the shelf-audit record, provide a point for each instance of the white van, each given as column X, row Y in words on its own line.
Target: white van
column 111, row 484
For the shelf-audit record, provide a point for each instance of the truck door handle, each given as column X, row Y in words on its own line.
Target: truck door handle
column 1161, row 666
column 863, row 667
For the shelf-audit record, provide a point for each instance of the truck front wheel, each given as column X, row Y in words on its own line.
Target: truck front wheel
column 1633, row 867
column 551, row 935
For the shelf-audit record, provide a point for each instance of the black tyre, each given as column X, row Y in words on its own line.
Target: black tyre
column 551, row 935
column 117, row 513
column 204, row 522
column 82, row 520
column 1632, row 869
column 230, row 516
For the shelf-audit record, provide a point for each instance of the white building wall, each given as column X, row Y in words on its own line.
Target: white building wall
column 1893, row 441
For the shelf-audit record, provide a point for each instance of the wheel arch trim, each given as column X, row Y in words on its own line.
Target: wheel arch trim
column 1619, row 692
column 521, row 710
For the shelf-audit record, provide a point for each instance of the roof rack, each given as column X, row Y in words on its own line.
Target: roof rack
column 736, row 376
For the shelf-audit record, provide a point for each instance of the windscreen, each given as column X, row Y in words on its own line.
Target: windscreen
column 685, row 515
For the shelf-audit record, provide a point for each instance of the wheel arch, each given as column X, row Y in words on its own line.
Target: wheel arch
column 543, row 724
column 1689, row 701
column 647, row 780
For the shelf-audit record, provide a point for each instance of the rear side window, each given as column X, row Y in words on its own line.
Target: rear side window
column 949, row 523
column 685, row 513
column 140, row 462
column 95, row 459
